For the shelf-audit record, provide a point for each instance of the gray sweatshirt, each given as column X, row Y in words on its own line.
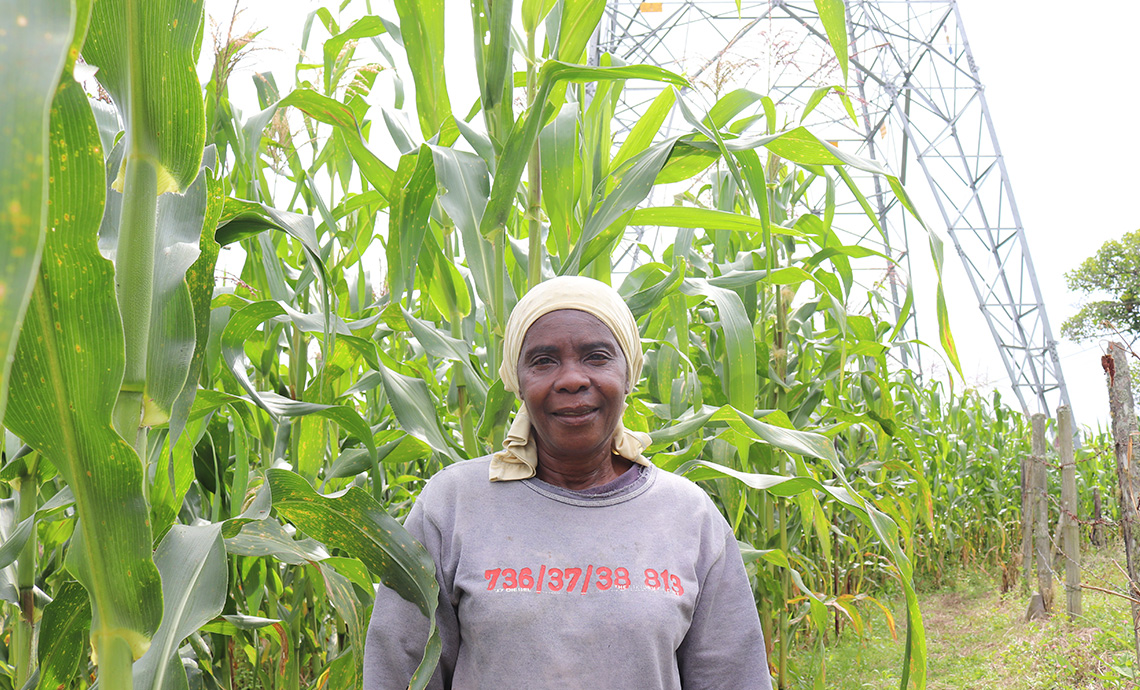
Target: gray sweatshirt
column 638, row 585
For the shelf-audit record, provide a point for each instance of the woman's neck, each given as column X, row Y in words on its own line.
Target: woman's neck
column 582, row 473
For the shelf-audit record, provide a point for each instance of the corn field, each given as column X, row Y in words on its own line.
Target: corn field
column 204, row 470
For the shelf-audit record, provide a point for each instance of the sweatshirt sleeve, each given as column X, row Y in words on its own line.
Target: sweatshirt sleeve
column 398, row 631
column 724, row 647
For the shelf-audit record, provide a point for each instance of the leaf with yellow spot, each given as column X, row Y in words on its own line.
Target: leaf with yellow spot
column 354, row 522
column 34, row 39
column 65, row 380
column 159, row 40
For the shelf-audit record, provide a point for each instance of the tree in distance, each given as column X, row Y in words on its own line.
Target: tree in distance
column 1114, row 271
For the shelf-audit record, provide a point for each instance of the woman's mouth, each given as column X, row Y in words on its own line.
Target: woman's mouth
column 575, row 413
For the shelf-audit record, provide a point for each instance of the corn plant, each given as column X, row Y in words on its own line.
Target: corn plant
column 100, row 386
column 268, row 426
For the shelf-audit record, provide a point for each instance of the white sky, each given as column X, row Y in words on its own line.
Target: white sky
column 1061, row 87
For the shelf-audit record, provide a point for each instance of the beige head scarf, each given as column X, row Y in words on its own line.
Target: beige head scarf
column 519, row 457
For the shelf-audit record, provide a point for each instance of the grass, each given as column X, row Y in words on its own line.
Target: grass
column 978, row 638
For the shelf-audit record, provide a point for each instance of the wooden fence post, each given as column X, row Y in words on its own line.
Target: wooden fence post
column 1070, row 530
column 1098, row 516
column 1123, row 409
column 1039, row 488
column 1027, row 482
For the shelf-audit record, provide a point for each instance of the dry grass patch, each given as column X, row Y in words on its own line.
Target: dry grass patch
column 978, row 638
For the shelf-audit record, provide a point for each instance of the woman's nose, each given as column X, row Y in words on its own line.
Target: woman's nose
column 572, row 378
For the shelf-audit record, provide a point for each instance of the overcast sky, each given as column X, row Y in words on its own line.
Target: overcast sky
column 1061, row 87
column 1060, row 82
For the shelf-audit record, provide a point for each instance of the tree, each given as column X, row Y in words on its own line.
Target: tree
column 1113, row 271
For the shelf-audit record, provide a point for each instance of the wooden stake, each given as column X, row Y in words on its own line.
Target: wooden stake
column 1070, row 530
column 1098, row 516
column 1123, row 409
column 1041, row 545
column 1026, row 524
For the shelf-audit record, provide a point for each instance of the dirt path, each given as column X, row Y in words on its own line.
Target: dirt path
column 981, row 640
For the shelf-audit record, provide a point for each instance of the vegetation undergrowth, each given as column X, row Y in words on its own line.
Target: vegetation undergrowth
column 978, row 637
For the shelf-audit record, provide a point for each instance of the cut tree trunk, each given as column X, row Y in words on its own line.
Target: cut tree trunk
column 1125, row 438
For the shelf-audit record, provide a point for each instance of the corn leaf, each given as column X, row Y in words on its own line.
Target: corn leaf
column 146, row 51
column 421, row 23
column 192, row 561
column 37, row 34
column 834, row 17
column 357, row 524
column 65, row 381
column 63, row 630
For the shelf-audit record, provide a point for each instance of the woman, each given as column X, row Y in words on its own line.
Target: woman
column 567, row 560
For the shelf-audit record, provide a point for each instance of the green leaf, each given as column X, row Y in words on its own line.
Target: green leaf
column 707, row 218
column 192, row 561
column 331, row 112
column 561, row 178
column 463, row 186
column 241, row 219
column 517, row 150
column 439, row 344
column 729, row 106
column 647, row 127
column 400, row 450
column 200, row 281
column 353, row 612
column 37, row 34
column 648, row 297
column 578, row 21
column 355, row 523
column 945, row 335
column 834, row 17
column 63, row 632
column 533, row 12
column 15, row 540
column 268, row 538
column 422, row 26
column 146, row 52
column 65, row 381
column 365, row 27
column 237, row 331
column 606, row 223
column 173, row 333
column 814, row 100
column 497, row 54
column 412, row 403
column 740, row 345
column 413, row 191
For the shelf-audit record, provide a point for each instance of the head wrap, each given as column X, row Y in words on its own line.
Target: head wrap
column 519, row 457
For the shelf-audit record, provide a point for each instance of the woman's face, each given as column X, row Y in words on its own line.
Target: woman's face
column 572, row 376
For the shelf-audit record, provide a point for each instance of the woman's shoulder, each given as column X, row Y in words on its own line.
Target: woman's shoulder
column 461, row 481
column 683, row 490
column 465, row 474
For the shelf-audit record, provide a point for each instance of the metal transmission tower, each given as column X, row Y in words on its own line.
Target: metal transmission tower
column 918, row 99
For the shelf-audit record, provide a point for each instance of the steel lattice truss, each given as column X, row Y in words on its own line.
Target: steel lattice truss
column 917, row 98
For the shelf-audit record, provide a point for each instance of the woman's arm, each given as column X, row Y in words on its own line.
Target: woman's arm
column 724, row 648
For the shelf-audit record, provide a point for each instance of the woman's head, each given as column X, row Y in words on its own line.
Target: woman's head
column 575, row 293
column 571, row 353
column 573, row 379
